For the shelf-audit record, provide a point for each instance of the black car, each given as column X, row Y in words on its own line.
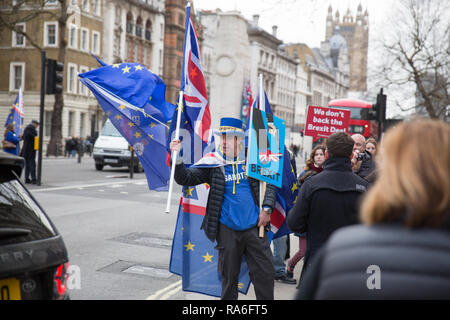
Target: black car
column 33, row 258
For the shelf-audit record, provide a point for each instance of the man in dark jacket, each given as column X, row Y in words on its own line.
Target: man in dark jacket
column 28, row 151
column 328, row 200
column 233, row 214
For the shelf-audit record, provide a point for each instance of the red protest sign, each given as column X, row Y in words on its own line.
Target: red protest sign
column 322, row 122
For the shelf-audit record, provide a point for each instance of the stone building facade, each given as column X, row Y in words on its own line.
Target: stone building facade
column 355, row 30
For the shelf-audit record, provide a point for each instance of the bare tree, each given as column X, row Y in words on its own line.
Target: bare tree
column 416, row 51
column 15, row 12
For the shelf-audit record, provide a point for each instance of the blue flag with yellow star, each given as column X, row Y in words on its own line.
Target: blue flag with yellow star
column 143, row 131
column 136, row 85
column 194, row 257
column 16, row 115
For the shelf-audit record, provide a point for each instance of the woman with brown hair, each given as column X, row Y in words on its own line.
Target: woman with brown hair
column 402, row 250
column 371, row 147
column 11, row 141
column 314, row 164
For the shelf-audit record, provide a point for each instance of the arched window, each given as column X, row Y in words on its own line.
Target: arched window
column 139, row 27
column 148, row 30
column 130, row 24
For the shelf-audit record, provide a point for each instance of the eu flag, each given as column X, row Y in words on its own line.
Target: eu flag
column 136, row 85
column 143, row 131
column 194, row 256
column 16, row 115
column 287, row 194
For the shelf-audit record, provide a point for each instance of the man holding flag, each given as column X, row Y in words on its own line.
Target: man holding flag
column 234, row 225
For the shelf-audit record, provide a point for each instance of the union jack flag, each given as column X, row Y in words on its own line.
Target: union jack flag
column 193, row 83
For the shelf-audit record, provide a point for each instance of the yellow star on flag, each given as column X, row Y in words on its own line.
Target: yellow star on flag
column 131, row 124
column 294, row 187
column 115, row 65
column 126, row 69
column 207, row 257
column 122, row 107
column 118, row 117
column 189, row 191
column 138, row 67
column 137, row 134
column 150, row 136
column 240, row 285
column 189, row 246
column 152, row 124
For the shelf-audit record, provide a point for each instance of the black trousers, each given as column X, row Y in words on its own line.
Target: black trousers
column 30, row 169
column 232, row 246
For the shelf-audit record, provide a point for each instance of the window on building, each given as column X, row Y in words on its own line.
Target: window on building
column 50, row 34
column 84, row 43
column 139, row 27
column 148, row 30
column 73, row 36
column 95, row 42
column 72, row 78
column 18, row 40
column 82, row 124
column 47, row 123
column 85, row 5
column 96, row 5
column 181, row 19
column 83, row 89
column 129, row 23
column 180, row 42
column 70, row 127
column 17, row 76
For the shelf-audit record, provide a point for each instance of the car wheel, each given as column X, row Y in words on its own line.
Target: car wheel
column 99, row 167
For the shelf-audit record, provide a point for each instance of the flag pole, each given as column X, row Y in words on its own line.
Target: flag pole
column 262, row 185
column 180, row 107
column 175, row 153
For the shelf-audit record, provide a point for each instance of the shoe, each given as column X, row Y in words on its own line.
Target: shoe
column 285, row 279
column 27, row 181
column 33, row 182
column 289, row 274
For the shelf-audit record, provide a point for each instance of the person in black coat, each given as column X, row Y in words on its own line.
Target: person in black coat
column 402, row 250
column 28, row 151
column 233, row 214
column 328, row 200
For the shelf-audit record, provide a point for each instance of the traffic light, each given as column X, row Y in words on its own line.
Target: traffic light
column 54, row 83
column 382, row 107
column 378, row 111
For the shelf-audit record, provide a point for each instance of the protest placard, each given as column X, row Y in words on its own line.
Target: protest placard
column 322, row 122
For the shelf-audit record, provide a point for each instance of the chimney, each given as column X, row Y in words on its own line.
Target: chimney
column 255, row 19
column 274, row 31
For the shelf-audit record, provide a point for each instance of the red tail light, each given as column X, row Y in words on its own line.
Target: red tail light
column 60, row 281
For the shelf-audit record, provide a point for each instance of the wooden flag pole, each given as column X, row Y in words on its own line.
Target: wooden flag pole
column 174, row 153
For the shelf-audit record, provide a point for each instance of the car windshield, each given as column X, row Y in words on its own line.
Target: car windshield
column 21, row 219
column 109, row 130
column 355, row 113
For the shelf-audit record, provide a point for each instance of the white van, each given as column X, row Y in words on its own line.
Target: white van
column 112, row 149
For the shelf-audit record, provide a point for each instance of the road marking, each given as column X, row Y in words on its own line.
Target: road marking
column 166, row 292
column 84, row 186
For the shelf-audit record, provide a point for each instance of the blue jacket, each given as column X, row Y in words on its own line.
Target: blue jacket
column 11, row 137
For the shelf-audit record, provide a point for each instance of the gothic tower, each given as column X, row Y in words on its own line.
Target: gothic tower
column 356, row 31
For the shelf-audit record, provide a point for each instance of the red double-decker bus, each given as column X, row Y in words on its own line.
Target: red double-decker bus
column 359, row 115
